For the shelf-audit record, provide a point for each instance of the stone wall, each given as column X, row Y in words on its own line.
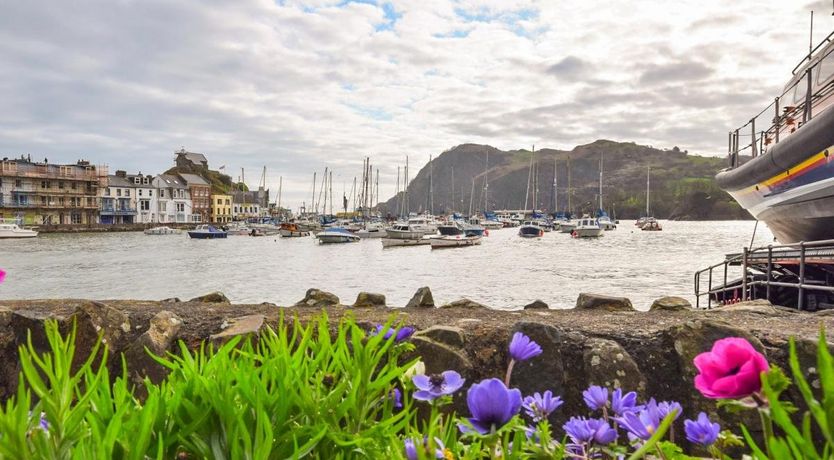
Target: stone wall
column 602, row 341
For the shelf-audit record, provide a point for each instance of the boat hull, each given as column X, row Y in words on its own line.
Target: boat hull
column 395, row 242
column 336, row 239
column 526, row 231
column 403, row 235
column 18, row 234
column 566, row 227
column 454, row 241
column 206, row 235
column 791, row 187
column 588, row 232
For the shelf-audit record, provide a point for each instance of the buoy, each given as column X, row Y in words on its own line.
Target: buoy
column 486, row 232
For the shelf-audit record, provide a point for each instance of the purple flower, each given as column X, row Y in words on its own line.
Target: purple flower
column 492, row 405
column 622, row 403
column 596, row 397
column 701, row 431
column 411, row 448
column 436, row 385
column 642, row 424
column 396, row 397
column 400, row 334
column 584, row 431
column 43, row 423
column 522, row 348
column 665, row 408
column 540, row 406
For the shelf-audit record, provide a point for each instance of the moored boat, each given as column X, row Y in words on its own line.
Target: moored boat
column 292, row 230
column 405, row 231
column 454, row 241
column 372, row 230
column 336, row 235
column 163, row 230
column 10, row 229
column 587, row 227
column 207, row 232
column 651, row 225
column 395, row 242
column 530, row 230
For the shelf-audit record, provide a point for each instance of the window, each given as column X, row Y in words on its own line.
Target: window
column 18, row 183
column 118, row 192
column 76, row 218
column 74, row 185
column 180, row 207
column 44, row 184
column 61, row 185
column 127, row 192
column 140, row 192
column 219, row 201
column 826, row 68
column 144, row 205
column 150, row 192
column 107, row 191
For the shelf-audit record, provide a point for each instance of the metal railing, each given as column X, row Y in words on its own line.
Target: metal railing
column 797, row 252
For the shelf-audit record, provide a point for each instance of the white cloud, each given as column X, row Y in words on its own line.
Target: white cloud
column 297, row 85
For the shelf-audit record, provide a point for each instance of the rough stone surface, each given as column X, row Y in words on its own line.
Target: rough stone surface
column 158, row 339
column 536, row 305
column 422, row 298
column 447, row 335
column 171, row 300
column 369, row 300
column 671, row 303
column 317, row 298
column 587, row 301
column 608, row 364
column 463, row 303
column 114, row 325
column 762, row 307
column 214, row 297
column 244, row 325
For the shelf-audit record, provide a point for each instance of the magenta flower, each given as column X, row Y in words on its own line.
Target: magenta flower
column 437, row 385
column 2, row 275
column 701, row 431
column 491, row 405
column 540, row 406
column 522, row 348
column 731, row 370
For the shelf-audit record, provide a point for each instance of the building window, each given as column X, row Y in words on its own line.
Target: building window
column 140, row 192
column 118, row 192
column 150, row 192
column 127, row 192
column 144, row 205
column 44, row 184
column 18, row 183
column 61, row 185
column 76, row 218
column 107, row 191
column 73, row 185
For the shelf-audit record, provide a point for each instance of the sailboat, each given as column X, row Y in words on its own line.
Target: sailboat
column 530, row 229
column 566, row 222
column 649, row 224
column 602, row 217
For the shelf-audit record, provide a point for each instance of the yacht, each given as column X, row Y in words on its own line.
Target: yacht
column 529, row 229
column 605, row 221
column 336, row 235
column 10, row 229
column 567, row 226
column 587, row 227
column 425, row 223
column 474, row 227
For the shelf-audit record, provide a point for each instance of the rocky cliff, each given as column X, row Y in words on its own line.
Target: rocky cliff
column 602, row 341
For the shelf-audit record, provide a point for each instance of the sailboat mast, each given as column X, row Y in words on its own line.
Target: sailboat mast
column 453, row 190
column 313, row 198
column 529, row 175
column 570, row 192
column 407, row 207
column 331, row 193
column 471, row 195
column 555, row 189
column 399, row 199
column 648, row 179
column 600, row 181
column 431, row 186
column 280, row 186
column 486, row 184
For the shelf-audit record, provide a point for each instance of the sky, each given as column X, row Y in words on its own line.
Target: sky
column 299, row 85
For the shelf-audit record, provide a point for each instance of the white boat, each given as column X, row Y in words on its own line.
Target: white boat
column 162, row 231
column 492, row 224
column 207, row 232
column 530, row 230
column 454, row 241
column 372, row 230
column 336, row 235
column 394, row 242
column 424, row 223
column 606, row 223
column 404, row 231
column 567, row 226
column 587, row 227
column 10, row 229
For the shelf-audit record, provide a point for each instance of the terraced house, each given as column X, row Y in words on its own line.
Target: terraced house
column 118, row 200
column 41, row 193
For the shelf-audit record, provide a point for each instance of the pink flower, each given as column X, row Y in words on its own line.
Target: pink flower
column 2, row 275
column 732, row 370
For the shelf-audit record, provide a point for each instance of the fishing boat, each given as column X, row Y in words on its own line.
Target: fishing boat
column 587, row 227
column 10, row 229
column 292, row 230
column 405, row 231
column 395, row 242
column 336, row 235
column 207, row 232
column 163, row 230
column 454, row 241
column 529, row 229
column 788, row 182
column 567, row 226
column 473, row 227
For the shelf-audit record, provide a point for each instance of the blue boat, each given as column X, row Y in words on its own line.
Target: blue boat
column 207, row 232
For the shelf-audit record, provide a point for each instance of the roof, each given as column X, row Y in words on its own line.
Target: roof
column 193, row 179
column 196, row 158
column 168, row 180
column 117, row 181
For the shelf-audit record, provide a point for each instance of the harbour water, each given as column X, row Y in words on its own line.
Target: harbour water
column 504, row 272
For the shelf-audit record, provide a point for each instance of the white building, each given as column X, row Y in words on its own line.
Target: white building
column 145, row 198
column 173, row 200
column 118, row 200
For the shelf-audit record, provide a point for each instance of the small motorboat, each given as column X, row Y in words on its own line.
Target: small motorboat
column 529, row 229
column 10, row 229
column 256, row 232
column 292, row 230
column 567, row 226
column 163, row 230
column 207, row 232
column 405, row 231
column 651, row 225
column 605, row 221
column 454, row 241
column 372, row 230
column 587, row 228
column 474, row 227
column 336, row 235
column 395, row 242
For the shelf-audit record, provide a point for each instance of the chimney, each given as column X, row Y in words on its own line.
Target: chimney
column 122, row 174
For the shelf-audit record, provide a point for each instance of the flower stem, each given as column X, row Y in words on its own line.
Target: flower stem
column 509, row 372
column 767, row 426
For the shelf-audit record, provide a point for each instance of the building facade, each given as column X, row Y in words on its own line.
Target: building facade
column 40, row 193
column 118, row 200
column 173, row 200
column 221, row 208
column 146, row 195
column 200, row 191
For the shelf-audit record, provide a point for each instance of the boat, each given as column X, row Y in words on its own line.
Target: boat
column 372, row 230
column 529, row 229
column 425, row 223
column 651, row 225
column 454, row 241
column 292, row 230
column 474, row 228
column 567, row 226
column 256, row 232
column 648, row 223
column 237, row 229
column 605, row 220
column 163, row 230
column 587, row 227
column 451, row 228
column 10, row 229
column 405, row 231
column 207, row 232
column 788, row 182
column 336, row 235
column 394, row 242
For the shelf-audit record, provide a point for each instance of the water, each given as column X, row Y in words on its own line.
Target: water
column 506, row 271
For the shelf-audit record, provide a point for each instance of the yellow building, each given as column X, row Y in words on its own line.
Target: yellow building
column 221, row 208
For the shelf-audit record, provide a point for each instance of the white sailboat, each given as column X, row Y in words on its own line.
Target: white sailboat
column 602, row 217
column 649, row 224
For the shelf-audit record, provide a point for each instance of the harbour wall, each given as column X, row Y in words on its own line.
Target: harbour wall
column 599, row 342
column 102, row 228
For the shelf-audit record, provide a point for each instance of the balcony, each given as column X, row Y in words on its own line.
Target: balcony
column 50, row 205
column 117, row 211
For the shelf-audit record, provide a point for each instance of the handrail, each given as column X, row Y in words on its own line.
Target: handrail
column 810, row 55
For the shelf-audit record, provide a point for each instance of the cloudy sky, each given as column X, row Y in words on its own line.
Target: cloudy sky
column 300, row 85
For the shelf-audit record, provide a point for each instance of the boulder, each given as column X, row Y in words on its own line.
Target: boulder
column 421, row 298
column 608, row 364
column 112, row 324
column 159, row 337
column 439, row 357
column 760, row 306
column 671, row 303
column 171, row 300
column 369, row 299
column 447, row 335
column 317, row 298
column 463, row 303
column 214, row 297
column 587, row 301
column 244, row 325
column 536, row 305
column 5, row 317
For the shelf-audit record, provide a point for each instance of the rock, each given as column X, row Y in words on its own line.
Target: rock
column 421, row 298
column 317, row 298
column 244, row 325
column 5, row 317
column 536, row 305
column 828, row 312
column 447, row 335
column 171, row 300
column 671, row 303
column 369, row 299
column 760, row 306
column 587, row 301
column 463, row 303
column 608, row 364
column 111, row 323
column 440, row 357
column 214, row 297
column 159, row 337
